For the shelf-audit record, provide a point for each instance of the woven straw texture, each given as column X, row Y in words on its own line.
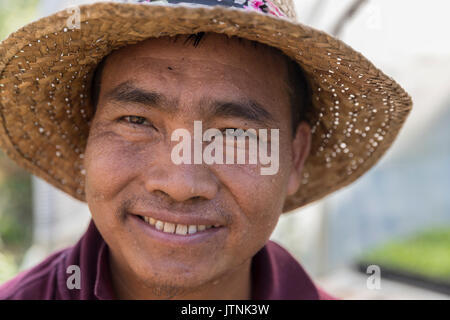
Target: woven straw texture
column 46, row 71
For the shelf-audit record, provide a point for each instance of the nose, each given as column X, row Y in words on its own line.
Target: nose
column 183, row 182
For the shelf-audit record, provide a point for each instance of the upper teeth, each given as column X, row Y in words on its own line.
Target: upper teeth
column 182, row 229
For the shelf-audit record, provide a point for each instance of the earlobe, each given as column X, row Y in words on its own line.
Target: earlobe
column 301, row 145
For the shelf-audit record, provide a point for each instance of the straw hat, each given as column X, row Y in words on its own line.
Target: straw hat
column 46, row 70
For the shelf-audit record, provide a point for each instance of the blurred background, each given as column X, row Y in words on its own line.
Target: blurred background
column 396, row 217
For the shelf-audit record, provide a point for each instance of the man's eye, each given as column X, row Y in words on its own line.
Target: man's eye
column 135, row 120
column 239, row 132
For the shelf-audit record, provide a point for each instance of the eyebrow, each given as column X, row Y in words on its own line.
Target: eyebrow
column 246, row 109
column 126, row 92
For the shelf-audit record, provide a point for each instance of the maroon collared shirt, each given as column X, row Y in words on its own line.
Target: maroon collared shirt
column 276, row 275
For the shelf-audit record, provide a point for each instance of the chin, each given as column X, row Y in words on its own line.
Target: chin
column 176, row 277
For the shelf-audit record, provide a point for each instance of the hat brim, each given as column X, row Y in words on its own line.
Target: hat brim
column 46, row 71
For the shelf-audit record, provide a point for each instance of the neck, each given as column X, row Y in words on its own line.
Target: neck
column 234, row 285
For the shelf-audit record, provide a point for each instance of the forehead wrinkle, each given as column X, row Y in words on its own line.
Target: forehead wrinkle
column 215, row 49
column 233, row 81
column 211, row 66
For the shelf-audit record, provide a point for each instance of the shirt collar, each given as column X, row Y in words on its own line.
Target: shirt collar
column 103, row 288
column 276, row 275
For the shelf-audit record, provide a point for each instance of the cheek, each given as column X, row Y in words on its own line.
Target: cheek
column 110, row 163
column 265, row 193
column 260, row 199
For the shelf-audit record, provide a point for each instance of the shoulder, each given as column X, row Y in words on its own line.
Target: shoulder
column 294, row 278
column 36, row 283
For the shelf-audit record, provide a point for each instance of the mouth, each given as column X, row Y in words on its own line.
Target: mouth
column 178, row 231
column 171, row 227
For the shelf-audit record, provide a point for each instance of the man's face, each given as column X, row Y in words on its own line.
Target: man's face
column 130, row 173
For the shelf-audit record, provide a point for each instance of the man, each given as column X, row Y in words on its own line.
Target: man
column 97, row 111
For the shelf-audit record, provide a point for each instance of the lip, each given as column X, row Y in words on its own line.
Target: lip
column 173, row 238
column 178, row 218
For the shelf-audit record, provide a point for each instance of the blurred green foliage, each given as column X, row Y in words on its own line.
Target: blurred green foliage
column 15, row 14
column 425, row 254
column 15, row 206
column 8, row 267
column 15, row 183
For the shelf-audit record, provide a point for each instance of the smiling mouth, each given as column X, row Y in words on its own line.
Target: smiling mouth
column 176, row 228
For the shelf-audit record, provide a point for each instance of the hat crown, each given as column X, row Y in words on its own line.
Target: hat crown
column 280, row 8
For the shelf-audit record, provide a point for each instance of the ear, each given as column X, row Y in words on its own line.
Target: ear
column 301, row 145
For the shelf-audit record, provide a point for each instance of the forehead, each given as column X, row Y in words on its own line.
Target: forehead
column 217, row 66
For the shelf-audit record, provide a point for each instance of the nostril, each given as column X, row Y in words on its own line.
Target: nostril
column 196, row 199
